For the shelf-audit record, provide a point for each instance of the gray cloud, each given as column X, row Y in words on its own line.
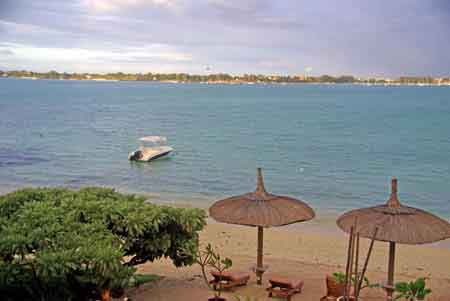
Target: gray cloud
column 6, row 52
column 363, row 38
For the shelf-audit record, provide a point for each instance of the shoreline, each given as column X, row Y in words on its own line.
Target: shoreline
column 323, row 224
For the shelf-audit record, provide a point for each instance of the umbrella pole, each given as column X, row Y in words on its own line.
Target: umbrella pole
column 259, row 260
column 366, row 263
column 356, row 267
column 390, row 282
column 347, row 266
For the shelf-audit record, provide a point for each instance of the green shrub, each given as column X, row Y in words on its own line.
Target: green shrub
column 412, row 291
column 59, row 244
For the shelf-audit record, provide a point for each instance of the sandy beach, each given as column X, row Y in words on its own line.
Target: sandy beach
column 306, row 251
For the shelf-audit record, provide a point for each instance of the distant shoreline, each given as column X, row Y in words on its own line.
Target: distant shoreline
column 230, row 79
column 390, row 84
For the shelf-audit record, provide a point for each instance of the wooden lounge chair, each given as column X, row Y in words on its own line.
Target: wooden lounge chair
column 228, row 279
column 284, row 287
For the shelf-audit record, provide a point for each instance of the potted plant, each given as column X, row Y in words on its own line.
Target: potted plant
column 336, row 284
column 412, row 291
column 210, row 258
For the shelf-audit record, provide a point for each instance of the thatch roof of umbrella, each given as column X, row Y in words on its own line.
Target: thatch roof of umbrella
column 260, row 209
column 396, row 223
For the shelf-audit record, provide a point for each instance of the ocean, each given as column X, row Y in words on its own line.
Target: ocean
column 333, row 146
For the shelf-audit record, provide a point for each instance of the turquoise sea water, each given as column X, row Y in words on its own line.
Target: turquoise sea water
column 333, row 146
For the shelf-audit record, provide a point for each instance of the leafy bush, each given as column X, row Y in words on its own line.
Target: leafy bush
column 412, row 291
column 59, row 244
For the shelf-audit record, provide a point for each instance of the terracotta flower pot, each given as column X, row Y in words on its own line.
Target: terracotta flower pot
column 106, row 295
column 334, row 288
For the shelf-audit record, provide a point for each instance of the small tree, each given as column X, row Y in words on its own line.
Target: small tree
column 210, row 258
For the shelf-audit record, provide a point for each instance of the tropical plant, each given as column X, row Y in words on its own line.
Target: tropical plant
column 211, row 258
column 412, row 291
column 339, row 277
column 59, row 244
column 202, row 259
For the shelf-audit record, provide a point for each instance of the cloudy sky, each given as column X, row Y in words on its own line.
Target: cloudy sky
column 360, row 37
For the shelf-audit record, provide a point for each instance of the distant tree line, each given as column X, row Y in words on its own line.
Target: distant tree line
column 223, row 78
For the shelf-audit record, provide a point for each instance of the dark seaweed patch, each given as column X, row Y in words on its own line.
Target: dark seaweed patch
column 15, row 157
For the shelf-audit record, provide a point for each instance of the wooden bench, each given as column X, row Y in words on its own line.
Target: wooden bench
column 228, row 280
column 284, row 287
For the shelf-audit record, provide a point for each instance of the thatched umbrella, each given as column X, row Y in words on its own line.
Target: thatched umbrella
column 263, row 210
column 396, row 224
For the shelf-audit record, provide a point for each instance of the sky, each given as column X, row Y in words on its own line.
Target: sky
column 359, row 37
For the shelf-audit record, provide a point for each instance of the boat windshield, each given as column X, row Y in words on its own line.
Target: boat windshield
column 154, row 140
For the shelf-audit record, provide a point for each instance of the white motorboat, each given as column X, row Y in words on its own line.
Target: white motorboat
column 152, row 148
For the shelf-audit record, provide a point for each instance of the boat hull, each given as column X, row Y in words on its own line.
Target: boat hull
column 159, row 156
column 150, row 154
